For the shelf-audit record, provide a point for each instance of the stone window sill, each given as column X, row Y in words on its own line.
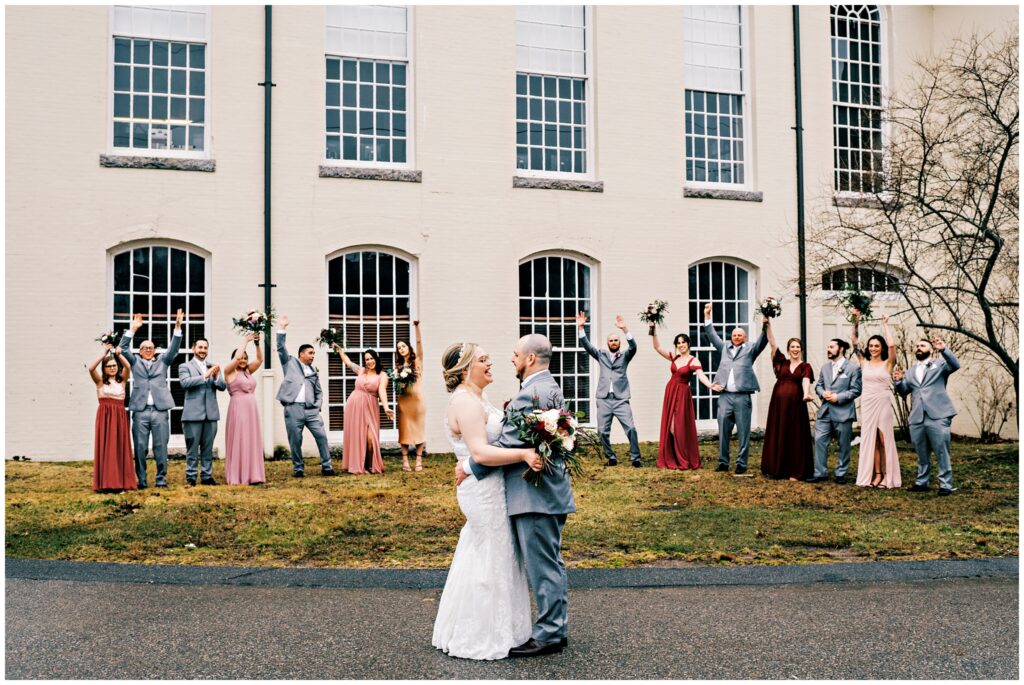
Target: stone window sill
column 858, row 201
column 139, row 162
column 557, row 184
column 367, row 174
column 723, row 194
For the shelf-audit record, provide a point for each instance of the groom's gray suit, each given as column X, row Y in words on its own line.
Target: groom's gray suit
column 305, row 413
column 931, row 415
column 150, row 401
column 836, row 418
column 538, row 513
column 199, row 417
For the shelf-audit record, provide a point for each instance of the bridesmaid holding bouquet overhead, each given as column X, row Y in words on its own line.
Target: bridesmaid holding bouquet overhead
column 113, row 463
column 361, row 448
column 878, row 462
column 243, row 461
column 677, row 448
column 412, row 412
column 788, row 450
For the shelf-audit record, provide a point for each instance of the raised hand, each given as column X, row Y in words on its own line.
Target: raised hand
column 620, row 323
column 416, row 323
column 897, row 374
column 939, row 344
column 581, row 319
column 283, row 322
column 107, row 347
column 181, row 317
column 707, row 312
column 855, row 313
column 136, row 323
column 885, row 318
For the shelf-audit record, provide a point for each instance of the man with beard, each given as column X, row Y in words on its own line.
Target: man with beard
column 838, row 386
column 932, row 411
column 200, row 415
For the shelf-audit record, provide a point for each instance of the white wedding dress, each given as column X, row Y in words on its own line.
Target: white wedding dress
column 485, row 607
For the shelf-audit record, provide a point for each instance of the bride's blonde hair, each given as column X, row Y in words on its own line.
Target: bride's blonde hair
column 456, row 360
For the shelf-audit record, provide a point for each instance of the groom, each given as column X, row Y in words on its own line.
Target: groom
column 538, row 513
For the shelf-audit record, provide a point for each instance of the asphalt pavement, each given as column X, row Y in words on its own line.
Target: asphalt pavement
column 910, row 620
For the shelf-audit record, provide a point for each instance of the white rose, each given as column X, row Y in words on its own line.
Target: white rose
column 568, row 443
column 550, row 424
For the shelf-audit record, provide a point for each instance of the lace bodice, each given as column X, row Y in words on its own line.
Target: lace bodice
column 494, row 418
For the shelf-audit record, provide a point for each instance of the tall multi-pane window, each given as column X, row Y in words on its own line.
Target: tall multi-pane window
column 367, row 88
column 552, row 290
column 552, row 89
column 160, row 80
column 715, row 98
column 727, row 287
column 156, row 281
column 369, row 295
column 857, row 97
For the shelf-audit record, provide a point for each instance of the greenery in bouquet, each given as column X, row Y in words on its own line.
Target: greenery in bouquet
column 402, row 377
column 852, row 298
column 111, row 338
column 654, row 315
column 330, row 336
column 558, row 439
column 770, row 307
column 254, row 321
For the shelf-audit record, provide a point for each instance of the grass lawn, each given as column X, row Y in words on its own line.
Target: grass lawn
column 625, row 517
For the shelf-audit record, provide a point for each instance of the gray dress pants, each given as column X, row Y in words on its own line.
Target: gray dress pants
column 151, row 421
column 296, row 417
column 932, row 435
column 199, row 437
column 734, row 409
column 539, row 539
column 610, row 408
column 824, row 429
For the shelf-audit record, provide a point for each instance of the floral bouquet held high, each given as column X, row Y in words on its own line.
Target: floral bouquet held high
column 770, row 308
column 851, row 299
column 111, row 338
column 654, row 315
column 254, row 321
column 403, row 378
column 329, row 337
column 556, row 435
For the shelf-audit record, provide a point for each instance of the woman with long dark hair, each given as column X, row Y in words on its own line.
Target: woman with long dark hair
column 361, row 447
column 412, row 412
column 878, row 462
column 677, row 448
column 113, row 463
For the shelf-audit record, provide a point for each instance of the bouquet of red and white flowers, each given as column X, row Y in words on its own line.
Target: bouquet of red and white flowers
column 330, row 336
column 254, row 321
column 110, row 338
column 557, row 437
column 654, row 315
column 403, row 377
column 852, row 298
column 770, row 307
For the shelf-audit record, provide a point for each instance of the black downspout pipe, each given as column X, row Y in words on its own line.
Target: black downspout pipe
column 267, row 84
column 799, row 128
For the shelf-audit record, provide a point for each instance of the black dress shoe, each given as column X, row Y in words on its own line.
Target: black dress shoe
column 740, row 470
column 564, row 642
column 721, row 467
column 840, row 480
column 945, row 491
column 161, row 485
column 191, row 482
column 143, row 486
column 207, row 481
column 612, row 462
column 815, row 479
column 298, row 474
column 636, row 463
column 917, row 488
column 328, row 472
column 534, row 648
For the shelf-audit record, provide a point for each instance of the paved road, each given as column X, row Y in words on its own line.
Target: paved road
column 950, row 626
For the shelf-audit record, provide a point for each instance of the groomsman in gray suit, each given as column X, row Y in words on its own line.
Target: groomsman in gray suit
column 151, row 398
column 736, row 381
column 301, row 396
column 201, row 413
column 838, row 386
column 613, row 388
column 538, row 512
column 932, row 412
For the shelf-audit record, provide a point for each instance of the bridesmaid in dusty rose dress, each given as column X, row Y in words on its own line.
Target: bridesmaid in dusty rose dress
column 878, row 462
column 113, row 464
column 677, row 448
column 243, row 462
column 361, row 446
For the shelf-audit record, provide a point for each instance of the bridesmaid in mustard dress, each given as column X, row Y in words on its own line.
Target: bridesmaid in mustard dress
column 361, row 446
column 412, row 412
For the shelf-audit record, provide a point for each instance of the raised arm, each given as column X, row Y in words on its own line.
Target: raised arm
column 771, row 336
column 352, row 366
column 890, row 343
column 258, row 362
column 854, row 331
column 952, row 363
column 581, row 320
column 419, row 340
column 232, row 364
column 282, row 350
column 96, row 375
column 762, row 340
column 126, row 367
column 175, row 344
column 709, row 330
column 658, row 348
column 631, row 348
column 126, row 339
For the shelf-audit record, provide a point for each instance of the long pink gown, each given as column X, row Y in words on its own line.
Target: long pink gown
column 877, row 415
column 243, row 460
column 362, row 420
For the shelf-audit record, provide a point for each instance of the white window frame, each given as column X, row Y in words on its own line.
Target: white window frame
column 589, row 95
column 883, row 35
column 878, row 295
column 177, row 440
column 386, row 434
column 591, row 322
column 748, row 115
column 410, row 100
column 206, row 152
column 701, row 343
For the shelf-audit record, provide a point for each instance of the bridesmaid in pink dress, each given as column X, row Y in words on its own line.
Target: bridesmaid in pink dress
column 878, row 462
column 243, row 462
column 361, row 446
column 677, row 447
column 113, row 464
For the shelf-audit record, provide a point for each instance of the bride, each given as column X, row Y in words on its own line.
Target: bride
column 485, row 607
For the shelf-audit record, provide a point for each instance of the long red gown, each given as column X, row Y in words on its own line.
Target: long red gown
column 678, row 446
column 788, row 450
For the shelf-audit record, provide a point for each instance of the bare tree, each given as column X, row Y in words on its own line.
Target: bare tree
column 946, row 215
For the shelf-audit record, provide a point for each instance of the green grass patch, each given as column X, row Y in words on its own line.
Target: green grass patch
column 626, row 517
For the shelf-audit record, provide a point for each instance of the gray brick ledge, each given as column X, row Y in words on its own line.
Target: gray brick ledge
column 722, row 194
column 406, row 175
column 175, row 163
column 858, row 201
column 557, row 184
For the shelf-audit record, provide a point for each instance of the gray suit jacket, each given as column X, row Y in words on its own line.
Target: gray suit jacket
column 742, row 365
column 613, row 371
column 150, row 377
column 200, row 393
column 294, row 378
column 847, row 386
column 930, row 396
column 554, row 494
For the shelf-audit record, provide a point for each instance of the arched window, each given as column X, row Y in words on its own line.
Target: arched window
column 857, row 97
column 369, row 294
column 156, row 281
column 728, row 288
column 552, row 289
column 863, row 278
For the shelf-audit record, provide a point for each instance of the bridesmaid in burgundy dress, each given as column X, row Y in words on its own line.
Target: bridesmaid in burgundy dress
column 113, row 463
column 788, row 451
column 243, row 459
column 677, row 448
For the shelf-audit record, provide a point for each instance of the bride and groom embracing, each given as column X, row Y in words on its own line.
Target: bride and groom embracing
column 513, row 528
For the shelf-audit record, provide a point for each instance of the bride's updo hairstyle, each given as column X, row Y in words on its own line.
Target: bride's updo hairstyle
column 455, row 361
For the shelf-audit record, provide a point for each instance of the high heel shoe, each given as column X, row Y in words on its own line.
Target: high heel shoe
column 405, row 464
column 419, row 463
column 881, row 479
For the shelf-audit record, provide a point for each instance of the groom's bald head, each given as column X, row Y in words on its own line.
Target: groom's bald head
column 537, row 345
